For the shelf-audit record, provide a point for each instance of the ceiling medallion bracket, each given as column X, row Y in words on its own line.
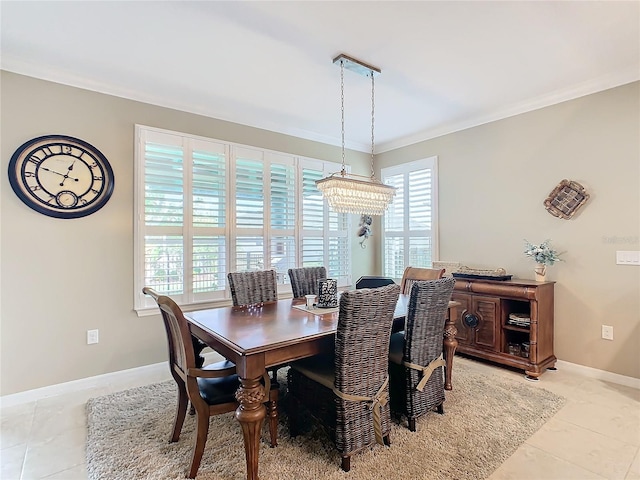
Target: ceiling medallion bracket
column 357, row 66
column 345, row 192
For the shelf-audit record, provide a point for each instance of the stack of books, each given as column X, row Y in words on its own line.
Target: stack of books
column 519, row 319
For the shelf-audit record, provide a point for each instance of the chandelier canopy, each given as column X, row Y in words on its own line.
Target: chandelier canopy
column 351, row 193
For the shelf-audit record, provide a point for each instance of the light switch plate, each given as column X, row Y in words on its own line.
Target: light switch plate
column 627, row 257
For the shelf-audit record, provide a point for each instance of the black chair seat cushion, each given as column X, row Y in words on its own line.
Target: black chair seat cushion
column 320, row 369
column 215, row 391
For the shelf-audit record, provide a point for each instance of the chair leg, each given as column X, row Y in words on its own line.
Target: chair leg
column 181, row 411
column 412, row 424
column 346, row 463
column 272, row 415
column 200, row 440
column 440, row 409
column 387, row 440
column 294, row 427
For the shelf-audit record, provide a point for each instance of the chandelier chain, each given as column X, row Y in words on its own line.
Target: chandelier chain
column 343, row 172
column 346, row 193
column 372, row 120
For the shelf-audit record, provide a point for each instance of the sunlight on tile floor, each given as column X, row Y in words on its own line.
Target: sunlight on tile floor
column 596, row 435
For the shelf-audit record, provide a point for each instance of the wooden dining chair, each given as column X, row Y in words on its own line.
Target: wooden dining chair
column 210, row 389
column 415, row 355
column 411, row 274
column 304, row 281
column 348, row 391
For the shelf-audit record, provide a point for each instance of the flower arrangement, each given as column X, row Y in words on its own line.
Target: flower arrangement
column 543, row 253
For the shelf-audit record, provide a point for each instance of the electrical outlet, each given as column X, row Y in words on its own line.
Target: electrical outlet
column 607, row 332
column 92, row 336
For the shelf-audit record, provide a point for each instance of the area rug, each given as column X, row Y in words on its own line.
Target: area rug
column 487, row 416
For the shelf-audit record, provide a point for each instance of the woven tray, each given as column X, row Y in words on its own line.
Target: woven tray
column 482, row 277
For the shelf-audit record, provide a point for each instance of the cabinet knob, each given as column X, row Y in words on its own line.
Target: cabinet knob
column 470, row 320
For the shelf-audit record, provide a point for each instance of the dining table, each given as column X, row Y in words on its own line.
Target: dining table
column 260, row 336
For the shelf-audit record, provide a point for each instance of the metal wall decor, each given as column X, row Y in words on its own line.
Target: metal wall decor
column 565, row 200
column 365, row 229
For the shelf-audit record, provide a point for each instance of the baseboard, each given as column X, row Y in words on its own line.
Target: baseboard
column 106, row 378
column 599, row 374
column 92, row 382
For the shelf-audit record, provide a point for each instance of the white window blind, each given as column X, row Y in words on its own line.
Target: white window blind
column 206, row 208
column 410, row 224
column 325, row 233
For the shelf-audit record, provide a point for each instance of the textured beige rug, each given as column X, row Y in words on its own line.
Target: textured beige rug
column 486, row 418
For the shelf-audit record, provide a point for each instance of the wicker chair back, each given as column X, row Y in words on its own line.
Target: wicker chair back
column 250, row 288
column 304, row 281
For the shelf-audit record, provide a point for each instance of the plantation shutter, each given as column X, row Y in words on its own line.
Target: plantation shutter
column 409, row 237
column 282, row 215
column 164, row 214
column 249, row 210
column 209, row 204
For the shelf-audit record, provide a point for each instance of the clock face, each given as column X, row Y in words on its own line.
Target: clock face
column 61, row 176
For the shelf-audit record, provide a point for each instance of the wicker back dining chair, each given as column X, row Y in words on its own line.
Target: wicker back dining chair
column 411, row 274
column 415, row 355
column 348, row 391
column 210, row 389
column 304, row 281
column 250, row 288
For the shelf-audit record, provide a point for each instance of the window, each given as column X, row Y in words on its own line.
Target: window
column 206, row 207
column 410, row 224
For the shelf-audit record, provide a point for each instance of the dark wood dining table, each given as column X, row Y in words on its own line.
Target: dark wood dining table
column 260, row 336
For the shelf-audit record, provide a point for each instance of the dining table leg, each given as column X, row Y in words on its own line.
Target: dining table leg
column 450, row 344
column 251, row 414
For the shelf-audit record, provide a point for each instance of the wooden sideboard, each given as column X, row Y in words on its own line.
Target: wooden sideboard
column 492, row 322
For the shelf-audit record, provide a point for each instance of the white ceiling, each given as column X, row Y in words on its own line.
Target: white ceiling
column 445, row 65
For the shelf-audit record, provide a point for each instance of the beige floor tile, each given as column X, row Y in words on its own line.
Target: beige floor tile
column 76, row 473
column 593, row 451
column 634, row 470
column 53, row 419
column 560, row 382
column 55, row 454
column 608, row 394
column 15, row 425
column 11, row 461
column 621, row 422
column 531, row 463
column 71, row 399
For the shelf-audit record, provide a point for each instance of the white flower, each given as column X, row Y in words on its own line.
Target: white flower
column 542, row 253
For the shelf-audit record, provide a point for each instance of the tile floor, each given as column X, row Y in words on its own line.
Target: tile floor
column 596, row 435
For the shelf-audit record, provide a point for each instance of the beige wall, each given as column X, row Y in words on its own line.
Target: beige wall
column 492, row 182
column 60, row 278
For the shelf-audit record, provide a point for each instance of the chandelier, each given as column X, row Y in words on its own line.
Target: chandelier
column 347, row 192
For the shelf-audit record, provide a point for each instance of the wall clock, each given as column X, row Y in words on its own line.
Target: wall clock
column 61, row 176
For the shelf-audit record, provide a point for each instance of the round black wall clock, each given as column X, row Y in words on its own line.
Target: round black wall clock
column 61, row 176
